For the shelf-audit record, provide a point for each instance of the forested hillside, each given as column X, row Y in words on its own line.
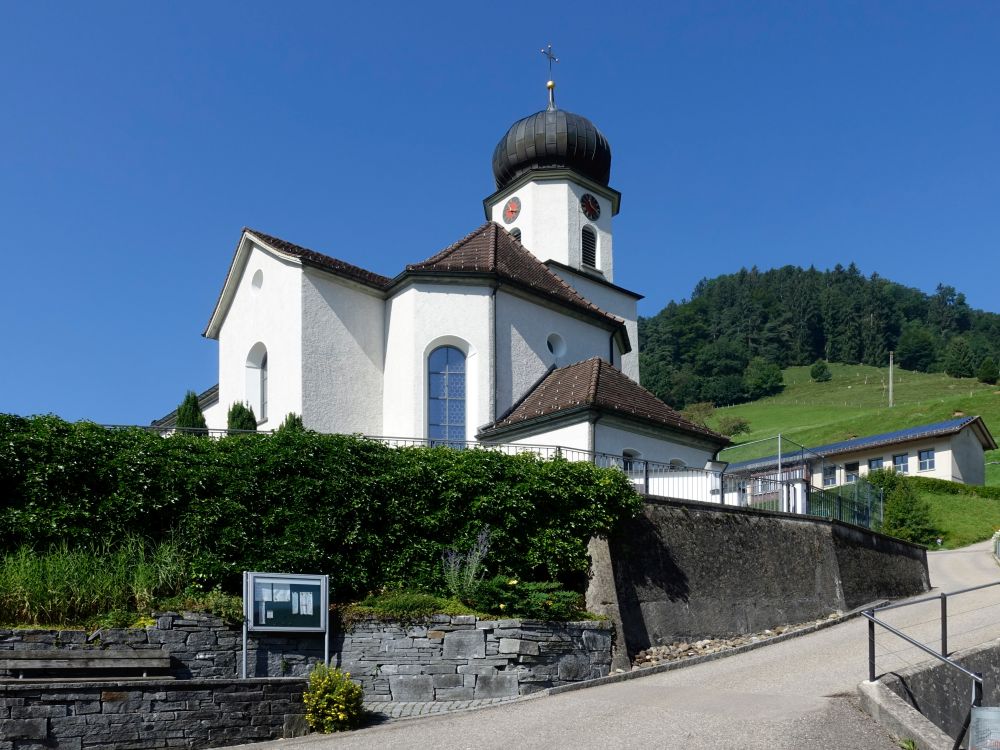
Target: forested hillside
column 728, row 342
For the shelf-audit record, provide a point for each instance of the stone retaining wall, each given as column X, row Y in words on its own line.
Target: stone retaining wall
column 445, row 658
column 148, row 714
column 463, row 658
column 684, row 570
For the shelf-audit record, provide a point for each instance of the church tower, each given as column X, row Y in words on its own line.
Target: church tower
column 552, row 170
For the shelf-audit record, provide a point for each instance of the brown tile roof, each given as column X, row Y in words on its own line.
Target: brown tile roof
column 491, row 249
column 320, row 260
column 594, row 383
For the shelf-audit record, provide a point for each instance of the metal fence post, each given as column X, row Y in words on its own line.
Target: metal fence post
column 944, row 624
column 871, row 647
column 645, row 476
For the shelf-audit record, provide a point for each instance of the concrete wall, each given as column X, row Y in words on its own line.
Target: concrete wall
column 695, row 570
column 941, row 693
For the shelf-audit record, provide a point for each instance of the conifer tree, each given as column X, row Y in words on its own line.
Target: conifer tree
column 907, row 516
column 189, row 415
column 988, row 372
column 959, row 362
column 241, row 417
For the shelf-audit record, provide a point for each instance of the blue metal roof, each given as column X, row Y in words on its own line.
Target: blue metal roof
column 948, row 427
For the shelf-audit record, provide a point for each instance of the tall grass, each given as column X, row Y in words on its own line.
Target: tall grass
column 64, row 586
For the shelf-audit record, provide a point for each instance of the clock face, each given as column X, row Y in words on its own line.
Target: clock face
column 590, row 207
column 511, row 210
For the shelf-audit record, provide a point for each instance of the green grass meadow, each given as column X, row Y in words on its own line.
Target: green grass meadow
column 855, row 403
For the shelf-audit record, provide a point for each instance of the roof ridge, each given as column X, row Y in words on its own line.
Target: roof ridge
column 444, row 253
column 595, row 379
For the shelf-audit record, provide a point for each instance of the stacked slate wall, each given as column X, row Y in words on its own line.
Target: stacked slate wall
column 444, row 658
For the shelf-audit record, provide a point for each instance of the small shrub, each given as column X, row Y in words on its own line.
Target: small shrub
column 333, row 702
column 732, row 426
column 407, row 605
column 241, row 417
column 189, row 414
column 502, row 595
column 820, row 372
column 463, row 572
column 907, row 516
column 227, row 606
column 292, row 423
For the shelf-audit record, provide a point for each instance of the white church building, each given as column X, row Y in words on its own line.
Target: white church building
column 514, row 334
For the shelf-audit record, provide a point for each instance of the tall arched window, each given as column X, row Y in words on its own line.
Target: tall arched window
column 256, row 381
column 446, row 394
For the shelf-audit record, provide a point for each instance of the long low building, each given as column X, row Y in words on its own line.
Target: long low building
column 952, row 450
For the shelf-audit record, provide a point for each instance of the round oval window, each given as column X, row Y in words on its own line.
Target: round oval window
column 258, row 279
column 556, row 344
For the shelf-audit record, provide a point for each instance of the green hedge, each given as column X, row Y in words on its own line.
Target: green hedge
column 369, row 515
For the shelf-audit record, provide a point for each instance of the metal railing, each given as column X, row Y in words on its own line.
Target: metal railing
column 943, row 654
column 860, row 503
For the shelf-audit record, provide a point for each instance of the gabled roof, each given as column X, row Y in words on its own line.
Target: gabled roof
column 319, row 260
column 492, row 250
column 937, row 429
column 488, row 251
column 595, row 384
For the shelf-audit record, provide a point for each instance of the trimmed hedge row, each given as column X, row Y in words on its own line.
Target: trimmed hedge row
column 369, row 515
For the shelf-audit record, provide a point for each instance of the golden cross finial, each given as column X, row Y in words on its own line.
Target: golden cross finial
column 551, row 85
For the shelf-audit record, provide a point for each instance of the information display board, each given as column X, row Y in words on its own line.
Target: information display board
column 285, row 602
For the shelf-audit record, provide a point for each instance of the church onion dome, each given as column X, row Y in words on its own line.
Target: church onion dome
column 552, row 139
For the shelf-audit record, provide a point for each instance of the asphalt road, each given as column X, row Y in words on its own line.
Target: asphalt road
column 795, row 694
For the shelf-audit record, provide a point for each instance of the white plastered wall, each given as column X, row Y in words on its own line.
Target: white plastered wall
column 613, row 437
column 523, row 356
column 343, row 351
column 551, row 221
column 575, row 436
column 943, row 460
column 418, row 319
column 270, row 314
column 967, row 459
column 615, row 302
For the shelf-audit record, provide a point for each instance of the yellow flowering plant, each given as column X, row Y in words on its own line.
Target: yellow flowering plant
column 333, row 702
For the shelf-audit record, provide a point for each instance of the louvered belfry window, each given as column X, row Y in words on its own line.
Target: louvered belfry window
column 589, row 245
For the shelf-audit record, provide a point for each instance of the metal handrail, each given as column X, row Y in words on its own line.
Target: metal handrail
column 869, row 614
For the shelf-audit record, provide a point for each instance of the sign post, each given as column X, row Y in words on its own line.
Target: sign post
column 286, row 602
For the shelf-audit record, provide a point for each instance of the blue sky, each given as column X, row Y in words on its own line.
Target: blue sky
column 138, row 138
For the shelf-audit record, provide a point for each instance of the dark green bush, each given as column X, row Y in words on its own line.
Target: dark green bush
column 369, row 515
column 509, row 597
column 189, row 415
column 241, row 417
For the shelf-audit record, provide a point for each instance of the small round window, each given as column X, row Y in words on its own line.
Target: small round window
column 258, row 279
column 556, row 344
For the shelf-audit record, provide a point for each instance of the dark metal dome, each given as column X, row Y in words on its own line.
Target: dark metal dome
column 552, row 138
